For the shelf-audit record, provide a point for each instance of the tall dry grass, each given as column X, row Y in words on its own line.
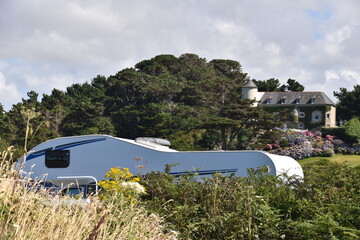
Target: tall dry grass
column 29, row 214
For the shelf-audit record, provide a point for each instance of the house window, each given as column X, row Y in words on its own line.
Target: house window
column 57, row 158
column 301, row 114
column 312, row 100
column 282, row 101
column 328, row 116
column 316, row 116
column 297, row 100
column 301, row 125
column 268, row 101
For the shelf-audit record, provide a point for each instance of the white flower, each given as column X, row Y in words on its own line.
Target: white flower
column 133, row 186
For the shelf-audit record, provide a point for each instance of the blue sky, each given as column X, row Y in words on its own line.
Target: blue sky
column 46, row 45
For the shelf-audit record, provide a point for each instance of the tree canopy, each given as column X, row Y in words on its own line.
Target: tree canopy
column 345, row 109
column 273, row 85
column 194, row 103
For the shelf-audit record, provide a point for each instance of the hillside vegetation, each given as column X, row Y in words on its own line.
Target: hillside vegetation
column 197, row 105
column 194, row 103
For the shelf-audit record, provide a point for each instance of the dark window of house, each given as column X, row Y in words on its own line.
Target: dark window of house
column 57, row 158
column 297, row 101
column 282, row 101
column 312, row 100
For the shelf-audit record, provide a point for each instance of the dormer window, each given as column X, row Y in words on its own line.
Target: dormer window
column 268, row 101
column 297, row 100
column 312, row 100
column 282, row 101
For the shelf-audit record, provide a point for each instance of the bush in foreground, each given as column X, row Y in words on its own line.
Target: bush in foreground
column 325, row 205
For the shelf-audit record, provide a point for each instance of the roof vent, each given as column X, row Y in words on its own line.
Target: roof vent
column 158, row 141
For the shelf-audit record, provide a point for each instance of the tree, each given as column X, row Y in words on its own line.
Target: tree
column 185, row 99
column 229, row 68
column 292, row 85
column 87, row 118
column 56, row 106
column 346, row 101
column 25, row 122
column 158, row 65
column 240, row 121
column 2, row 113
column 270, row 85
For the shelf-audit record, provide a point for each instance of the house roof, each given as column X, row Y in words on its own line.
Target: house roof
column 290, row 99
column 250, row 84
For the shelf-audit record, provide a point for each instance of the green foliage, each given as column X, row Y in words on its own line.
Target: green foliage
column 292, row 85
column 273, row 85
column 345, row 109
column 270, row 85
column 325, row 205
column 339, row 133
column 87, row 118
column 191, row 101
column 352, row 128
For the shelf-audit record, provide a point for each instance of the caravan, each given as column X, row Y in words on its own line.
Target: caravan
column 86, row 159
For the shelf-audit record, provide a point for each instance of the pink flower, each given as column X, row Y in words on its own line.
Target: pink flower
column 318, row 138
column 329, row 137
column 269, row 146
column 309, row 134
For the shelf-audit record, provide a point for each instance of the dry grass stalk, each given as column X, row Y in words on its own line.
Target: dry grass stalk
column 29, row 214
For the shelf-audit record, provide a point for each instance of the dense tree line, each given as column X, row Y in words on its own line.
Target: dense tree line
column 193, row 102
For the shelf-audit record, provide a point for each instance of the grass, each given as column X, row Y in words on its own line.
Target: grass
column 29, row 214
column 352, row 160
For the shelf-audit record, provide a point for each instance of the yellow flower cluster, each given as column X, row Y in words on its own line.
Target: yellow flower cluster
column 123, row 174
column 122, row 181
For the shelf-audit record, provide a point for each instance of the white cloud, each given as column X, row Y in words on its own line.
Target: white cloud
column 45, row 46
column 8, row 92
column 343, row 78
column 60, row 82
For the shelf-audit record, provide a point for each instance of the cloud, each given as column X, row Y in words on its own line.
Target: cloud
column 45, row 46
column 8, row 92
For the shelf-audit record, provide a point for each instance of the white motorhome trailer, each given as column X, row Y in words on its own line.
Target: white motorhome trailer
column 88, row 158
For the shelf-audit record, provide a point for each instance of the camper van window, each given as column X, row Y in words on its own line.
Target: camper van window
column 73, row 192
column 57, row 158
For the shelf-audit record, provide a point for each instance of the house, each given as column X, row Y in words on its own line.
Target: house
column 309, row 110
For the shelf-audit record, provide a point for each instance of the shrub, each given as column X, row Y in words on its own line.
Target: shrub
column 299, row 145
column 214, row 208
column 352, row 128
column 324, row 205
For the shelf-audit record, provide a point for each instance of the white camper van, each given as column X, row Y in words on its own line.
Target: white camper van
column 85, row 159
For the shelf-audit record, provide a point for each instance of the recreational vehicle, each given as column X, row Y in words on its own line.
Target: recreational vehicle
column 86, row 159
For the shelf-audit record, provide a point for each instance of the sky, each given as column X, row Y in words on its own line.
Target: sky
column 54, row 44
